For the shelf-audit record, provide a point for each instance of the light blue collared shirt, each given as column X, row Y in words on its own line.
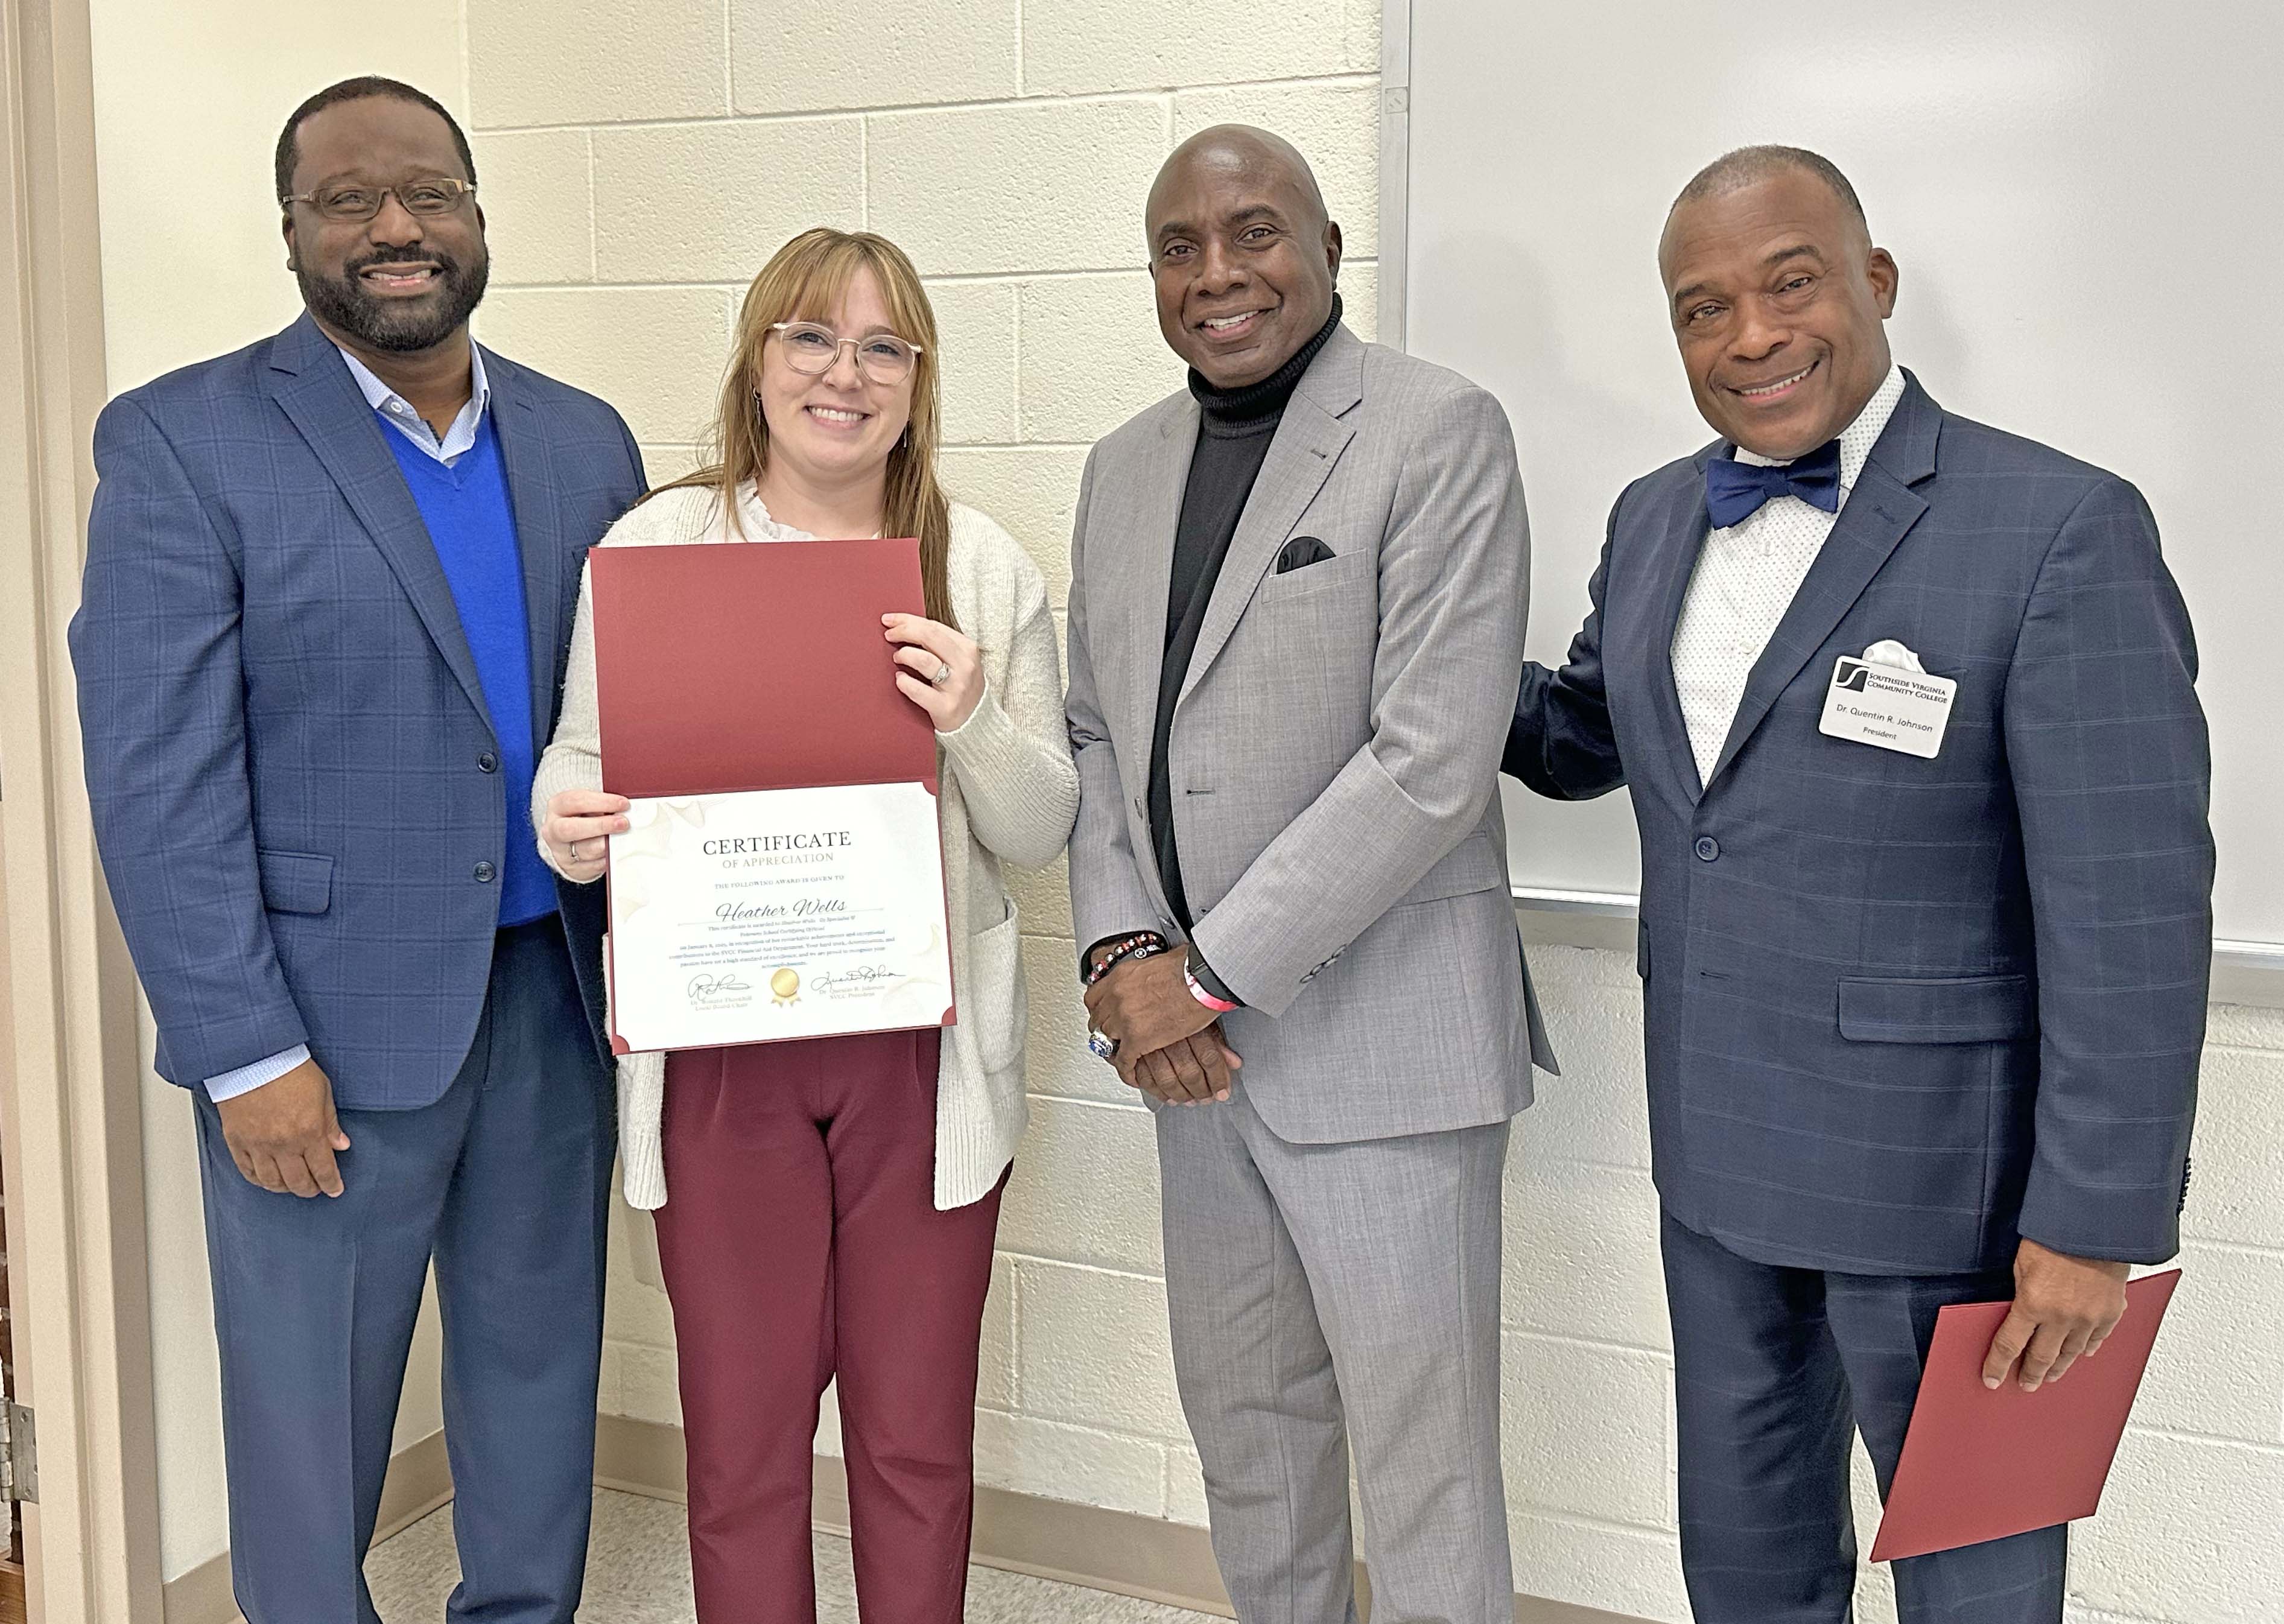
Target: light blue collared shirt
column 398, row 412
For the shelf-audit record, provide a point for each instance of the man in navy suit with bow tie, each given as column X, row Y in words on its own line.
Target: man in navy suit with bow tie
column 1906, row 708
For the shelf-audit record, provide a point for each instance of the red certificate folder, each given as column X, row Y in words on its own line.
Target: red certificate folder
column 754, row 666
column 728, row 667
column 1979, row 1463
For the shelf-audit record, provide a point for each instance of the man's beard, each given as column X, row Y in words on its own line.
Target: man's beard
column 397, row 326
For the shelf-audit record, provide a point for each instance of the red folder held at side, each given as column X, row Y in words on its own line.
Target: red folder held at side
column 754, row 666
column 1981, row 1464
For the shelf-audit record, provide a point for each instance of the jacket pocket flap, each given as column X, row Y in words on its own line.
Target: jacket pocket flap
column 1472, row 865
column 295, row 882
column 1987, row 1009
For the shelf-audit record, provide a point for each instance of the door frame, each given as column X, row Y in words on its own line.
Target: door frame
column 70, row 1061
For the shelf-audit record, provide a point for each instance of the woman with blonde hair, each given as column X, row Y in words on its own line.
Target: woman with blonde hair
column 827, row 1207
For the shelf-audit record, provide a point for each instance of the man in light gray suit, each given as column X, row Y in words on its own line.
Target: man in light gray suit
column 1297, row 602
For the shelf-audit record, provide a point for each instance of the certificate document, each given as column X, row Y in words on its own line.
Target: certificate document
column 751, row 917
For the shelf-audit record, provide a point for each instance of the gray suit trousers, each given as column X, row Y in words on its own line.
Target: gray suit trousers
column 1325, row 1292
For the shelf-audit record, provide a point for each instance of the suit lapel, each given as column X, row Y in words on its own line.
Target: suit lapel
column 1154, row 501
column 533, row 493
column 312, row 383
column 1307, row 442
column 1881, row 508
column 1671, row 572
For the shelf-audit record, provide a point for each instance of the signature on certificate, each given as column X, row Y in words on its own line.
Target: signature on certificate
column 861, row 976
column 714, row 991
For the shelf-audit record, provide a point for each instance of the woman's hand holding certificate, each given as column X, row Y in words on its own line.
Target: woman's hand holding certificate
column 577, row 830
column 943, row 669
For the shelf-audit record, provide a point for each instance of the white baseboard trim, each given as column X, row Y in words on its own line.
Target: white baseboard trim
column 420, row 1480
column 1118, row 1551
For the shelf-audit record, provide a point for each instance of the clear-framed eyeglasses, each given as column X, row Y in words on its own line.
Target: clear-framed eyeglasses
column 353, row 204
column 812, row 349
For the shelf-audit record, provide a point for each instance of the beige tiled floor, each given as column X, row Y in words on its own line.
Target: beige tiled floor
column 638, row 1572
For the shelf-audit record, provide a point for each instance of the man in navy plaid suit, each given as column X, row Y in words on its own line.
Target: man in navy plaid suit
column 1906, row 705
column 329, row 590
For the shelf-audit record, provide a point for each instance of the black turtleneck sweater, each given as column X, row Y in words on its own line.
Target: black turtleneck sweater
column 1234, row 429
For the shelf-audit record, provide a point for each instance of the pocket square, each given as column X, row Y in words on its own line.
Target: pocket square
column 1300, row 552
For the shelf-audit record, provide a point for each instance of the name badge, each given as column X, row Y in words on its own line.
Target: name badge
column 1887, row 707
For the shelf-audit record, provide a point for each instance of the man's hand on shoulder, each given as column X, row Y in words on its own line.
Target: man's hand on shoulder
column 2064, row 1307
column 284, row 1134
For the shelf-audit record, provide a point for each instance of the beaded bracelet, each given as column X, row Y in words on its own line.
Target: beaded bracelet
column 1148, row 945
column 1127, row 940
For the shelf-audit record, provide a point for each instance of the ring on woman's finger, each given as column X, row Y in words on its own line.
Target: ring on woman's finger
column 943, row 675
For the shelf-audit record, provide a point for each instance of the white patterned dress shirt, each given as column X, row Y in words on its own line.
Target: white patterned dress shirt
column 1746, row 578
column 398, row 413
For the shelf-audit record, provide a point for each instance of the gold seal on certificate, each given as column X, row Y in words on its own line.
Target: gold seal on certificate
column 771, row 914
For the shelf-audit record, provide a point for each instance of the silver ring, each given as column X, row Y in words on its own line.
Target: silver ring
column 943, row 675
column 1105, row 1046
column 574, row 849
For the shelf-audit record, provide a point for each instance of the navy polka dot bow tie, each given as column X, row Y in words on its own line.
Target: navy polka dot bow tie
column 1734, row 491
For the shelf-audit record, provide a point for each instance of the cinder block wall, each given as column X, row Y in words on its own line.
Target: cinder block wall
column 639, row 163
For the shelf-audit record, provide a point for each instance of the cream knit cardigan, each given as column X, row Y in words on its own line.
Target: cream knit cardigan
column 1008, row 792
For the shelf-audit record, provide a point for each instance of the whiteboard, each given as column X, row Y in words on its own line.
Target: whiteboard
column 2087, row 199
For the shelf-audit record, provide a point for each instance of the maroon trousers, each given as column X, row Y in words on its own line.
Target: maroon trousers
column 800, row 1241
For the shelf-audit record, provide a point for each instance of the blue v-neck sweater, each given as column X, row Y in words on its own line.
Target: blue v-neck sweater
column 471, row 525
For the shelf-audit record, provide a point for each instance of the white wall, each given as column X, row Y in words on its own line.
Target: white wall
column 2018, row 159
column 189, row 101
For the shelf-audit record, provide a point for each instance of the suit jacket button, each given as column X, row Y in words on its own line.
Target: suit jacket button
column 1707, row 847
column 484, row 871
column 487, row 763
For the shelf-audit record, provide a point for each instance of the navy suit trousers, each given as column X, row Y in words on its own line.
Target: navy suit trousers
column 1774, row 1368
column 504, row 1182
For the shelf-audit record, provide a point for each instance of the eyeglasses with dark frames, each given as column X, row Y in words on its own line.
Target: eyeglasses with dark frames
column 350, row 205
